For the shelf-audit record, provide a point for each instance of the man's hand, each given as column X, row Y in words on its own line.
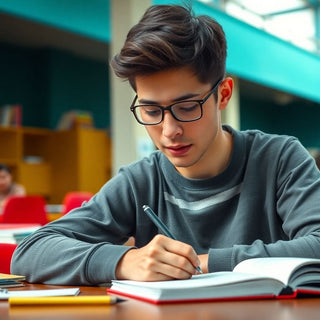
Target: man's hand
column 161, row 259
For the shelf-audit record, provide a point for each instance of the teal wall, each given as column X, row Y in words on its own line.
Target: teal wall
column 298, row 118
column 78, row 83
column 90, row 18
column 49, row 82
column 21, row 77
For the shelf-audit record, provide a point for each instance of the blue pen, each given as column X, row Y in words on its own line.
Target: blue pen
column 155, row 219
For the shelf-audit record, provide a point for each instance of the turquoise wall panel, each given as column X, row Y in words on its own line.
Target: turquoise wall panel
column 23, row 82
column 87, row 17
column 297, row 118
column 78, row 83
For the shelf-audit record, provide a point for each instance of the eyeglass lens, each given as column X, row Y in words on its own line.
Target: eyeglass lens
column 183, row 111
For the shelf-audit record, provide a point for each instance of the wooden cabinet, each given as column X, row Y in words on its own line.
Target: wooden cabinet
column 51, row 163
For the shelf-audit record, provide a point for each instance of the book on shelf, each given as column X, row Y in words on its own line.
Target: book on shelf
column 11, row 115
column 75, row 118
column 11, row 280
column 258, row 278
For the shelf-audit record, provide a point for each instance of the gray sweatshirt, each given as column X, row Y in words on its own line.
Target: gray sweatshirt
column 265, row 203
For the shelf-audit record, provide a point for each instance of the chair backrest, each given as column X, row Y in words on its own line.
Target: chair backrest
column 6, row 252
column 74, row 199
column 25, row 209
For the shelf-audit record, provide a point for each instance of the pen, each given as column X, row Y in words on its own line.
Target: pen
column 155, row 219
column 79, row 300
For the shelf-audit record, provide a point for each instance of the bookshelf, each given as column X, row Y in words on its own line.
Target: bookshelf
column 35, row 166
column 51, row 163
column 81, row 161
column 10, row 141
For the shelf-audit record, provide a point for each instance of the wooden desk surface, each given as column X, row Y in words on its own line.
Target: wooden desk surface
column 295, row 309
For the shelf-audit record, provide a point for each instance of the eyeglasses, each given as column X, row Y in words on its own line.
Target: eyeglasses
column 185, row 111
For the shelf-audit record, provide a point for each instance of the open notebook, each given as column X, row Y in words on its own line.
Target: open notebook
column 251, row 279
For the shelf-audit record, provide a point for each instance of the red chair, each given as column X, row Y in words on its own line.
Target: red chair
column 25, row 209
column 6, row 252
column 74, row 199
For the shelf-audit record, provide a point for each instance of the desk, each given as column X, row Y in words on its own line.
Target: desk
column 295, row 309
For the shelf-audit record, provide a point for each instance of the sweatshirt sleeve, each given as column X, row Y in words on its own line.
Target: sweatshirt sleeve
column 84, row 246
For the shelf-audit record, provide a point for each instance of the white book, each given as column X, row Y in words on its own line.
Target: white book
column 40, row 293
column 13, row 233
column 251, row 279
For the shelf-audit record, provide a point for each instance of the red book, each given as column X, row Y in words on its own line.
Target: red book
column 18, row 115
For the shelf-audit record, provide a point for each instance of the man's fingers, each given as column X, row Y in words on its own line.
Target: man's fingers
column 181, row 250
column 161, row 259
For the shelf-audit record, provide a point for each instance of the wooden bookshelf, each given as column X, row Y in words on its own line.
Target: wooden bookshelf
column 81, row 160
column 51, row 163
column 10, row 142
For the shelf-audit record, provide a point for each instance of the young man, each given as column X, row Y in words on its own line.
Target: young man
column 7, row 186
column 226, row 195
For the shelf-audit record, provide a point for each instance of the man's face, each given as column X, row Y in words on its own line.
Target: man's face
column 190, row 146
column 5, row 181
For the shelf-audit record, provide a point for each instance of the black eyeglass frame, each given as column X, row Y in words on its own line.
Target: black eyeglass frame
column 169, row 108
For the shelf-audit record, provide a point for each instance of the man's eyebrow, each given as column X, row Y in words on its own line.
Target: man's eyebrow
column 187, row 96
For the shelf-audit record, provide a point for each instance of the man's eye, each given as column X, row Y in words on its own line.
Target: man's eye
column 187, row 107
column 151, row 111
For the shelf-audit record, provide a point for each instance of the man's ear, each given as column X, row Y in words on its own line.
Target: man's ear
column 225, row 92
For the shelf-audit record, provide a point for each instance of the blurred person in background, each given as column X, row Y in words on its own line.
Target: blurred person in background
column 8, row 187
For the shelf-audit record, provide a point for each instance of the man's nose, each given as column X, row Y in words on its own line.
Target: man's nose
column 170, row 126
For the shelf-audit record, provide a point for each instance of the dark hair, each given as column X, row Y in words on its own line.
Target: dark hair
column 168, row 37
column 4, row 168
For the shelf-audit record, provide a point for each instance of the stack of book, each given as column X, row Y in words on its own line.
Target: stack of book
column 11, row 280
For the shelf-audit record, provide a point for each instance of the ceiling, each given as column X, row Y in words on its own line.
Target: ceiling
column 294, row 21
